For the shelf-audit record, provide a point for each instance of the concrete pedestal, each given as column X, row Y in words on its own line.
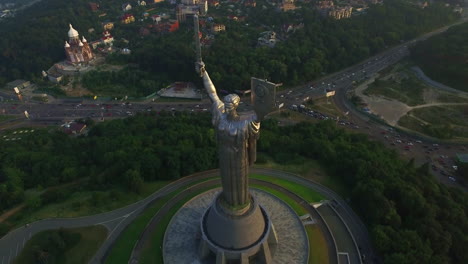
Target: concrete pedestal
column 183, row 238
column 243, row 236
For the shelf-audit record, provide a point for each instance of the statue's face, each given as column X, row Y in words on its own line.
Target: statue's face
column 231, row 102
column 230, row 106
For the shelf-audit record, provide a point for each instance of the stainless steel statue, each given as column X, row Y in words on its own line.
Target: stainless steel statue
column 236, row 227
column 236, row 134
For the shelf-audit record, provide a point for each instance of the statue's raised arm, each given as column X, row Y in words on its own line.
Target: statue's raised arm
column 207, row 83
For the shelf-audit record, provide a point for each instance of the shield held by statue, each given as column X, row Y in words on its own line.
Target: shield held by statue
column 263, row 96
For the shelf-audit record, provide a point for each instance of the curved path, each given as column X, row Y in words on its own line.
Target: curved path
column 12, row 243
column 115, row 221
column 148, row 233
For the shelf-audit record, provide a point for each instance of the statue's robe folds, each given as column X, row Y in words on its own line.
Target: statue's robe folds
column 237, row 151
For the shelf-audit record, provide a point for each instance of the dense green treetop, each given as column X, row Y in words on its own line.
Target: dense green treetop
column 33, row 41
column 149, row 147
column 411, row 217
column 444, row 57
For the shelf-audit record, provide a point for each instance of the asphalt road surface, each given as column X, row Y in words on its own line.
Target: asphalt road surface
column 115, row 221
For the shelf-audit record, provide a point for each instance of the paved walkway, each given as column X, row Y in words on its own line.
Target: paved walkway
column 115, row 221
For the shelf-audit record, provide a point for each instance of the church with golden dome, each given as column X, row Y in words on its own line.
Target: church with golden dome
column 77, row 51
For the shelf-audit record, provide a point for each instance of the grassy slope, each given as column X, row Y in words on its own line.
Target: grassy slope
column 91, row 239
column 80, row 204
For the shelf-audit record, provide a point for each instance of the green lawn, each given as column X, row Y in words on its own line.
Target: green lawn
column 68, row 246
column 152, row 253
column 444, row 122
column 83, row 203
column 300, row 190
column 303, row 169
column 295, row 206
column 318, row 252
column 122, row 249
column 403, row 87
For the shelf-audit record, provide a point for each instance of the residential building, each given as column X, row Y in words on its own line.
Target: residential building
column 127, row 19
column 267, row 38
column 94, row 6
column 182, row 11
column 287, row 5
column 156, row 18
column 20, row 84
column 250, row 3
column 141, row 3
column 166, row 27
column 144, row 32
column 53, row 75
column 215, row 28
column 107, row 25
column 203, row 7
column 126, row 7
column 107, row 38
column 213, row 2
column 341, row 12
column 189, row 2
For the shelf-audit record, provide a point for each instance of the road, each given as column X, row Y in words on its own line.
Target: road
column 69, row 109
column 148, row 233
column 116, row 221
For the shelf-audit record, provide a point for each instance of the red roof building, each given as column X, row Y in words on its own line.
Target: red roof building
column 94, row 6
column 170, row 26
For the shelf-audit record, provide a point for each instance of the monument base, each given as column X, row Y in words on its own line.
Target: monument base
column 183, row 239
column 247, row 237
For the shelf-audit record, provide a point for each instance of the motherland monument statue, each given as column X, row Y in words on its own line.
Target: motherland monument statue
column 236, row 228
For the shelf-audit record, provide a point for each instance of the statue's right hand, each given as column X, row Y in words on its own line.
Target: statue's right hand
column 200, row 68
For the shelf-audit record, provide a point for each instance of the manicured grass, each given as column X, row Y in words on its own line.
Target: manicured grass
column 310, row 169
column 302, row 169
column 318, row 251
column 86, row 241
column 152, row 253
column 295, row 206
column 122, row 249
column 305, row 193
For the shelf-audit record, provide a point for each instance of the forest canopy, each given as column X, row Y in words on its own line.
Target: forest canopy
column 444, row 57
column 34, row 42
column 411, row 217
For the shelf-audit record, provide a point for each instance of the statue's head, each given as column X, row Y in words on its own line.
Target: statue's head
column 231, row 101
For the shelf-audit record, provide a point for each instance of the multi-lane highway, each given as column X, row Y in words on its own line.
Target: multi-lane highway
column 68, row 109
